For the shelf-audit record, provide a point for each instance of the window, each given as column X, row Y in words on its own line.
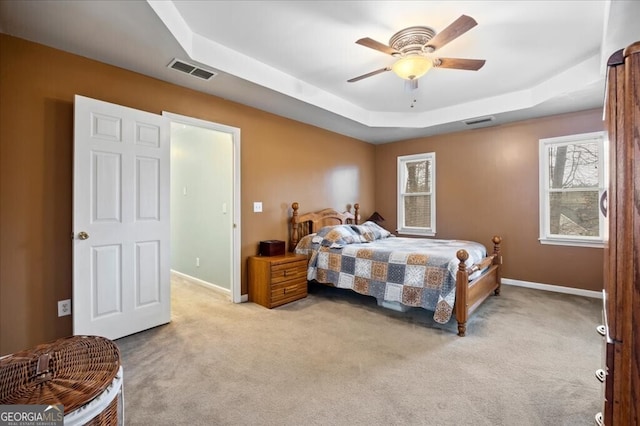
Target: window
column 416, row 194
column 573, row 178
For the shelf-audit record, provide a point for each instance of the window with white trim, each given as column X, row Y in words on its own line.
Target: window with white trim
column 417, row 194
column 573, row 180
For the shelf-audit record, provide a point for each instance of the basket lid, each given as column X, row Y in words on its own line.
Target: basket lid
column 70, row 371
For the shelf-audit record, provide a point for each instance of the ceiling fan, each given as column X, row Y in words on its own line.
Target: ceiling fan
column 413, row 45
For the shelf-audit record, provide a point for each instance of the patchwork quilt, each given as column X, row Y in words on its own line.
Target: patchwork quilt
column 367, row 259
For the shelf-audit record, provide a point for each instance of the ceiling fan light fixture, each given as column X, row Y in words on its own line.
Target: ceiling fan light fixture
column 413, row 45
column 412, row 67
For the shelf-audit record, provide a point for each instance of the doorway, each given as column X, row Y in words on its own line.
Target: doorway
column 205, row 203
column 121, row 216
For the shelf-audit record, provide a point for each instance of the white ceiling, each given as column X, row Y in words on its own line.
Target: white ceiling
column 293, row 58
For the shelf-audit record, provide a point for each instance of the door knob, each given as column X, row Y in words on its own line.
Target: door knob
column 83, row 235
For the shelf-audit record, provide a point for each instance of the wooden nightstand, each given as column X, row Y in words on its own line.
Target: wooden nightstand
column 276, row 280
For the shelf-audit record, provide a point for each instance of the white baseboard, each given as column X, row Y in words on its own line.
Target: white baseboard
column 554, row 288
column 203, row 283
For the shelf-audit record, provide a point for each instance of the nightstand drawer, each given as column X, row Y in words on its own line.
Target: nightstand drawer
column 288, row 292
column 288, row 271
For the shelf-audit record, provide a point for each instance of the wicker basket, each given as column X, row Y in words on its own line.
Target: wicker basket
column 71, row 371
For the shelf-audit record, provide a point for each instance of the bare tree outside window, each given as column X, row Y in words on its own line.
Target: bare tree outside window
column 573, row 211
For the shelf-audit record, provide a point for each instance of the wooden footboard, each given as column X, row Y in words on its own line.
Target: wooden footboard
column 469, row 297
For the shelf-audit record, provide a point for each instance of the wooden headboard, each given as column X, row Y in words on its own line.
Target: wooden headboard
column 308, row 223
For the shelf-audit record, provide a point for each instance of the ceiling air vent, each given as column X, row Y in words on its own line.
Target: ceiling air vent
column 193, row 70
column 480, row 120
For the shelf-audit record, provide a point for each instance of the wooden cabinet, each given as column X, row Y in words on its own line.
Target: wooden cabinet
column 276, row 280
column 622, row 251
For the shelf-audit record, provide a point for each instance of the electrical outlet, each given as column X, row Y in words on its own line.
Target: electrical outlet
column 257, row 206
column 198, row 262
column 64, row 307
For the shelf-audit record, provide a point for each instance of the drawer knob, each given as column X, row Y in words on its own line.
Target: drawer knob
column 601, row 330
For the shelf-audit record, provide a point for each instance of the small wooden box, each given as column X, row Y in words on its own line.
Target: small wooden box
column 271, row 248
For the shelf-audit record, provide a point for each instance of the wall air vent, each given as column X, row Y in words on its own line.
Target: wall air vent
column 193, row 70
column 480, row 120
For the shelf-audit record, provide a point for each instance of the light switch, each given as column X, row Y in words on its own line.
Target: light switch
column 257, row 206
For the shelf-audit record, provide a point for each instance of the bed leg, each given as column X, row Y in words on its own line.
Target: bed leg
column 462, row 328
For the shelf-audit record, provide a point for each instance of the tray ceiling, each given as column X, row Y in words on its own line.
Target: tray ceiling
column 293, row 58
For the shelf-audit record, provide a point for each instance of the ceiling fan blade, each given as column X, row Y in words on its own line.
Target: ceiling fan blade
column 376, row 45
column 459, row 64
column 369, row 74
column 453, row 31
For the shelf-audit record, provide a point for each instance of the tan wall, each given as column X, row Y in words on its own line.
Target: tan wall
column 487, row 184
column 37, row 85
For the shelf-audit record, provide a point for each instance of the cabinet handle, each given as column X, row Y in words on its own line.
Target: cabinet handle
column 600, row 375
column 601, row 330
column 598, row 419
column 603, row 203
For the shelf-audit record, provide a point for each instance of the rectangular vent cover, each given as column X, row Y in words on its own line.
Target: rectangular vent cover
column 193, row 70
column 480, row 120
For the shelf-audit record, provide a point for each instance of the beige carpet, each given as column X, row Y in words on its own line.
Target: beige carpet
column 335, row 358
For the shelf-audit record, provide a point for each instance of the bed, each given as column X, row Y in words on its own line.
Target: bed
column 400, row 273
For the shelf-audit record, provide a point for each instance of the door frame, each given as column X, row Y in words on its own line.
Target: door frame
column 235, row 240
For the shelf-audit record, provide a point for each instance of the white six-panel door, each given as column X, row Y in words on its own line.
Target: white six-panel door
column 121, row 223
